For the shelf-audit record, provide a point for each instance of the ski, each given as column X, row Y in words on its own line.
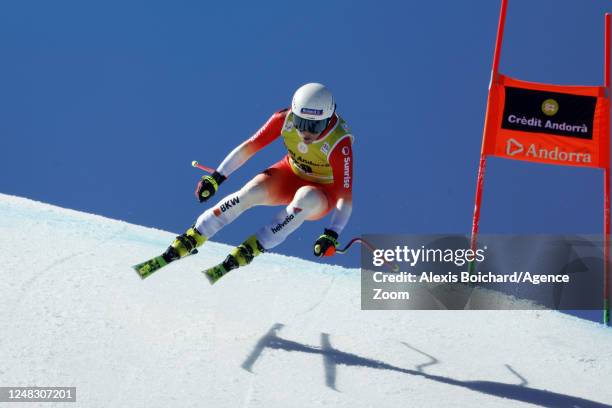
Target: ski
column 147, row 268
column 215, row 273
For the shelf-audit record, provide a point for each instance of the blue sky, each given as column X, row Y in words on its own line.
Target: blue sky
column 105, row 104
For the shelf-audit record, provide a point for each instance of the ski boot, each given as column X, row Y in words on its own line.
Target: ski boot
column 242, row 255
column 182, row 246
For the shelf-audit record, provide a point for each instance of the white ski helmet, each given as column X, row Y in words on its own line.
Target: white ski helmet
column 312, row 106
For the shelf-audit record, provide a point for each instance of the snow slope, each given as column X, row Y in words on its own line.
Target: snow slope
column 283, row 332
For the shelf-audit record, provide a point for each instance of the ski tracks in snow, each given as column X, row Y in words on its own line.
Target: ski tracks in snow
column 26, row 288
column 43, row 272
column 37, row 275
column 320, row 301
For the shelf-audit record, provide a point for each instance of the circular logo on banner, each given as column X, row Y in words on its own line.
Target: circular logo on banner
column 302, row 147
column 550, row 107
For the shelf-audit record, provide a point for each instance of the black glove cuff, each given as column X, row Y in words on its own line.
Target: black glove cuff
column 331, row 233
column 219, row 178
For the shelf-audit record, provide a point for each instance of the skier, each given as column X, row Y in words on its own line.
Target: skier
column 314, row 178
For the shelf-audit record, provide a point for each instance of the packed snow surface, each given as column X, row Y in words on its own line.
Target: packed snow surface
column 281, row 332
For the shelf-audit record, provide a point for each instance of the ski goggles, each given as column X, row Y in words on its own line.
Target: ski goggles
column 307, row 125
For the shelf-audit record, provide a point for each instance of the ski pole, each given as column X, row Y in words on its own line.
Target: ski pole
column 394, row 267
column 201, row 167
column 350, row 244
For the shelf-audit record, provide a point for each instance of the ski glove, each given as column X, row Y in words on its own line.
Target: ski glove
column 326, row 244
column 208, row 186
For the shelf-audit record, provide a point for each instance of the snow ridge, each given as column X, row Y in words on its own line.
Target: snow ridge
column 280, row 332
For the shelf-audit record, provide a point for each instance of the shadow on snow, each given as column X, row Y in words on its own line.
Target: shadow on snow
column 333, row 357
